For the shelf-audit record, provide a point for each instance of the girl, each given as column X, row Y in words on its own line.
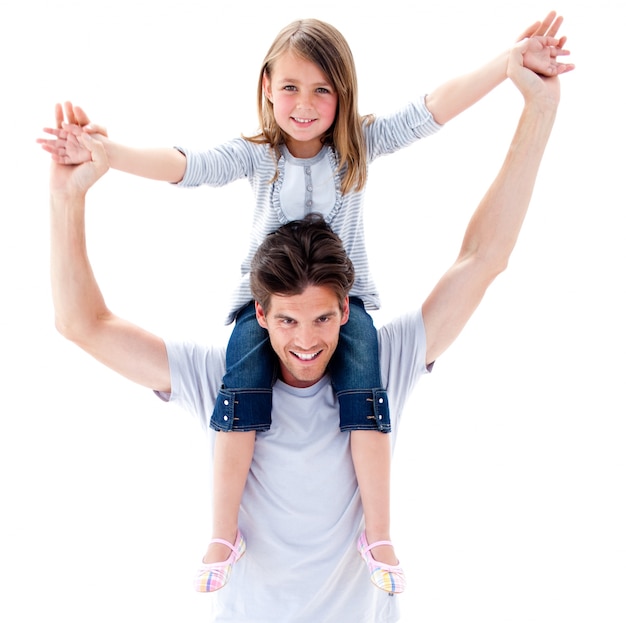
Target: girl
column 310, row 155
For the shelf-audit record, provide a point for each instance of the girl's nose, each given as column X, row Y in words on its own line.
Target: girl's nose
column 304, row 100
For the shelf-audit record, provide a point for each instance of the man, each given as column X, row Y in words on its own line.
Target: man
column 301, row 511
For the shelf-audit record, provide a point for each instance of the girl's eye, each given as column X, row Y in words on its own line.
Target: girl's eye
column 323, row 90
column 289, row 87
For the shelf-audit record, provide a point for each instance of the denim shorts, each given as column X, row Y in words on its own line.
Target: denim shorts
column 244, row 402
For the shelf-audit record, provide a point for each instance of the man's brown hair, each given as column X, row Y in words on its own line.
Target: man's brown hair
column 300, row 254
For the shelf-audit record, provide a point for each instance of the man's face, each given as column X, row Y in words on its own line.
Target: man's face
column 304, row 331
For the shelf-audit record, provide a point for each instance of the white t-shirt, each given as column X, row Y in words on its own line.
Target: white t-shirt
column 301, row 512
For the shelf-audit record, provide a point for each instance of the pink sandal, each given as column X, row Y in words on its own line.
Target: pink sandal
column 214, row 575
column 389, row 578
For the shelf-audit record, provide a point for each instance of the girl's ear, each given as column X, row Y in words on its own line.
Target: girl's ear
column 267, row 87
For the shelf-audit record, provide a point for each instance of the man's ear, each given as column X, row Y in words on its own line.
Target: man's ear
column 346, row 311
column 260, row 315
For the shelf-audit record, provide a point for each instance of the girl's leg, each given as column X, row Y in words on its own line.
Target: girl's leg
column 231, row 464
column 371, row 456
column 355, row 374
column 243, row 407
column 244, row 401
column 364, row 411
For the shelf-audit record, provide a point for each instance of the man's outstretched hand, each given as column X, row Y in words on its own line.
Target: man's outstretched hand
column 533, row 87
column 77, row 180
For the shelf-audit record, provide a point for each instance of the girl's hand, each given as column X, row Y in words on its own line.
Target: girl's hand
column 541, row 56
column 70, row 120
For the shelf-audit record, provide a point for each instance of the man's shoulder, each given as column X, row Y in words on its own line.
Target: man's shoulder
column 195, row 367
column 402, row 352
column 402, row 326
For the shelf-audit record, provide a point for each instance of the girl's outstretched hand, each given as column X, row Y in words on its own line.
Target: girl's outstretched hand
column 70, row 121
column 543, row 58
column 541, row 55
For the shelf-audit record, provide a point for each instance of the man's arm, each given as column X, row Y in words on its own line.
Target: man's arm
column 81, row 314
column 495, row 225
column 164, row 164
column 541, row 55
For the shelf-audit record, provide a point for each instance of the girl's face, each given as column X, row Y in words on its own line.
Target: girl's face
column 305, row 103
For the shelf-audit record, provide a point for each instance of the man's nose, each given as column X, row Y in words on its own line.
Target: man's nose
column 306, row 339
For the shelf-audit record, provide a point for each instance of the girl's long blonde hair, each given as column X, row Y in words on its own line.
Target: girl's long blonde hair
column 324, row 45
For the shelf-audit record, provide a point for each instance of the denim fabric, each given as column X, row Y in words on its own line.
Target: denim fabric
column 355, row 374
column 244, row 402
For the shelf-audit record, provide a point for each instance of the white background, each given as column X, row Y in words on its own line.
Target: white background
column 510, row 472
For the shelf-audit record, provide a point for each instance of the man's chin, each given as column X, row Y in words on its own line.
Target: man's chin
column 303, row 378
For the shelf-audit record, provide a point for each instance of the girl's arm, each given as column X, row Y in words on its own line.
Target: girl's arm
column 543, row 50
column 164, row 164
column 160, row 163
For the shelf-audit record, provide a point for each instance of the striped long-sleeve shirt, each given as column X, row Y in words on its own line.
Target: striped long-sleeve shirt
column 306, row 185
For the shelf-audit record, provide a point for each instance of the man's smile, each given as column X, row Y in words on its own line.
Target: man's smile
column 306, row 356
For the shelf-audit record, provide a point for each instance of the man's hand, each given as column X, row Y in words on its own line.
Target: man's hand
column 549, row 27
column 78, row 179
column 531, row 85
column 70, row 120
